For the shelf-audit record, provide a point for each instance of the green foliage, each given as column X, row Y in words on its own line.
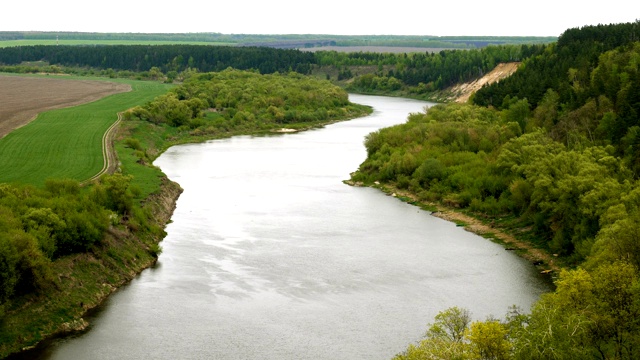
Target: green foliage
column 450, row 325
column 440, row 156
column 424, row 72
column 592, row 314
column 242, row 100
column 454, row 336
column 41, row 225
column 489, row 340
column 164, row 58
column 582, row 90
column 114, row 193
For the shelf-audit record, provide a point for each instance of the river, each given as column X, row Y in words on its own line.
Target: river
column 270, row 256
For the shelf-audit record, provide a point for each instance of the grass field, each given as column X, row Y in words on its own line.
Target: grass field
column 67, row 143
column 8, row 43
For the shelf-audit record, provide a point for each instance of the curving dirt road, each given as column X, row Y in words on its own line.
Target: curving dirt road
column 109, row 154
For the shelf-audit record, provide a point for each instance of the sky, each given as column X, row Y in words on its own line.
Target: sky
column 332, row 17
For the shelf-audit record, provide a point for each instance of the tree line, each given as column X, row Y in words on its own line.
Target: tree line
column 167, row 58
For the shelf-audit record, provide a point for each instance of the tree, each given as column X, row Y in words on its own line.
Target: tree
column 489, row 340
column 444, row 338
column 450, row 324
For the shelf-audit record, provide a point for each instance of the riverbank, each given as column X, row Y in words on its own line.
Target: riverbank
column 84, row 281
column 546, row 263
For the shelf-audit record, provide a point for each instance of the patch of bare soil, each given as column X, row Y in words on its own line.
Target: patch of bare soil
column 23, row 98
column 462, row 92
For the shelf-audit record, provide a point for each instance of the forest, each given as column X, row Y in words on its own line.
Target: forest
column 40, row 225
column 139, row 58
column 550, row 155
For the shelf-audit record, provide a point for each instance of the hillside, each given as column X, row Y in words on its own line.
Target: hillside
column 462, row 92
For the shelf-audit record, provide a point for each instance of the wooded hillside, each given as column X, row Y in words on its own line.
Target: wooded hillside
column 552, row 156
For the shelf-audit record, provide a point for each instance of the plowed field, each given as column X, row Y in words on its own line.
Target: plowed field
column 22, row 98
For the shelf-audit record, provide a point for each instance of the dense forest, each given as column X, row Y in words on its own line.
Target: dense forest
column 38, row 226
column 137, row 58
column 550, row 154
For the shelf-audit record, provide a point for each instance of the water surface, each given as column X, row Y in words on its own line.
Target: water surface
column 271, row 256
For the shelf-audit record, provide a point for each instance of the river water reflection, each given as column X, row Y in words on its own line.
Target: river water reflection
column 271, row 256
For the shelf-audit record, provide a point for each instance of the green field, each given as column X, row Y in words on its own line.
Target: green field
column 8, row 43
column 67, row 143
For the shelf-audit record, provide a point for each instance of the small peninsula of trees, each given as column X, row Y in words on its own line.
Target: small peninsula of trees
column 230, row 100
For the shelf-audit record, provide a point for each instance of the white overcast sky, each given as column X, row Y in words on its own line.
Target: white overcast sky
column 335, row 17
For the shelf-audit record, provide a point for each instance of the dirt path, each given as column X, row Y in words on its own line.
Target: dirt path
column 110, row 162
column 23, row 98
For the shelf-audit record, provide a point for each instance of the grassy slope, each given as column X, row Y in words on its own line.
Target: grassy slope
column 67, row 143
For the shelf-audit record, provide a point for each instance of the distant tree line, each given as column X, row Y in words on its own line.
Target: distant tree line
column 416, row 73
column 165, row 57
